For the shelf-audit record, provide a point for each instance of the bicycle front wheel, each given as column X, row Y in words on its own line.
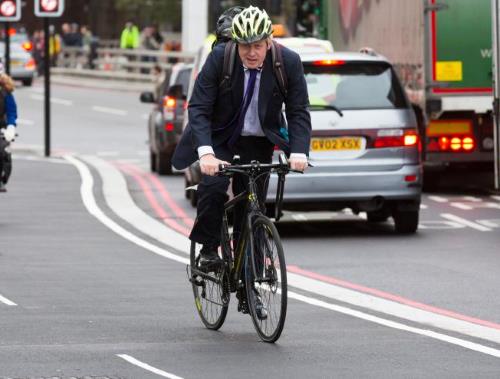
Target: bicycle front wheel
column 266, row 285
column 210, row 289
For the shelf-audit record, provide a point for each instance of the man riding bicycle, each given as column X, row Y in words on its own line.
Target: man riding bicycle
column 244, row 118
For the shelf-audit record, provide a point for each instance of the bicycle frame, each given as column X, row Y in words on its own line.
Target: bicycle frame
column 252, row 209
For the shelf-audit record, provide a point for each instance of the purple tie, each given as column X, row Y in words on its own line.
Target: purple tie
column 246, row 103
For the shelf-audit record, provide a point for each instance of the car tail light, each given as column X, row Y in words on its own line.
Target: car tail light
column 410, row 178
column 396, row 138
column 28, row 46
column 451, row 143
column 169, row 102
column 169, row 127
column 328, row 62
column 30, row 65
column 169, row 105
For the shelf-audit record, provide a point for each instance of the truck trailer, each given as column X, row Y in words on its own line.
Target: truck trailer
column 442, row 51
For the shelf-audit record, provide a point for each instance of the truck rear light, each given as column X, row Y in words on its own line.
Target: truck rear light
column 451, row 143
column 468, row 144
column 396, row 138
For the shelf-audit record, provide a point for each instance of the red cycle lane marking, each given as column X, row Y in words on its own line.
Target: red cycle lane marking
column 161, row 212
column 170, row 202
column 389, row 296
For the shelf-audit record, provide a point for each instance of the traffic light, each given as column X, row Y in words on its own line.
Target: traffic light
column 49, row 8
column 10, row 10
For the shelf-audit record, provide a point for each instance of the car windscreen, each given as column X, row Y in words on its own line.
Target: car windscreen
column 354, row 85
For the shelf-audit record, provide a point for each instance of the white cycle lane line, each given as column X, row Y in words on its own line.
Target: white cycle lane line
column 6, row 301
column 147, row 367
column 121, row 198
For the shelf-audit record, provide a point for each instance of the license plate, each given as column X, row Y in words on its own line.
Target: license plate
column 338, row 143
column 16, row 63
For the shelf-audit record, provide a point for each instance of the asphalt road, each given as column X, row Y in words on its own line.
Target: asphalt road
column 93, row 282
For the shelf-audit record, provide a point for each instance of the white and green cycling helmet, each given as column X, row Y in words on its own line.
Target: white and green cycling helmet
column 251, row 25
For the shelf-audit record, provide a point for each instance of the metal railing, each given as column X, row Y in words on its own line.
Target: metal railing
column 118, row 63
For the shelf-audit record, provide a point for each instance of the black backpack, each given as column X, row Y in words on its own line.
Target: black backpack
column 278, row 66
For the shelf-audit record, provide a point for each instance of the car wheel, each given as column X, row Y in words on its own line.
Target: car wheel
column 405, row 222
column 377, row 216
column 27, row 82
column 164, row 164
column 152, row 161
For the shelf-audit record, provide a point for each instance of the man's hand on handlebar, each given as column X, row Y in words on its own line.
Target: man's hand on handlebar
column 209, row 164
column 297, row 163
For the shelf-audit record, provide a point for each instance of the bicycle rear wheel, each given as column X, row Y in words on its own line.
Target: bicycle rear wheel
column 269, row 282
column 210, row 289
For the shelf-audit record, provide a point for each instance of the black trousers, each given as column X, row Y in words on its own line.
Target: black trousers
column 212, row 191
column 5, row 162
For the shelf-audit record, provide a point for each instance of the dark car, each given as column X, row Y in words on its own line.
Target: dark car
column 165, row 119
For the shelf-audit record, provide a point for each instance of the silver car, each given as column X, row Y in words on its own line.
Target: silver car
column 22, row 64
column 365, row 148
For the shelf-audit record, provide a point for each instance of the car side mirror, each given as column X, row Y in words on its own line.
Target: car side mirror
column 177, row 92
column 147, row 97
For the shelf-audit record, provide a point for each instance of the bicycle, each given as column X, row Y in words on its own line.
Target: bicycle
column 256, row 265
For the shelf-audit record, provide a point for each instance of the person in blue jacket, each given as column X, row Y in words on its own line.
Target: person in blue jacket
column 8, row 122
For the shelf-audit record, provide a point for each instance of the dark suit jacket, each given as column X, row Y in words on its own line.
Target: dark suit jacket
column 212, row 107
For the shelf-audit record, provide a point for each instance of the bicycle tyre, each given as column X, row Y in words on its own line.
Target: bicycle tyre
column 272, row 270
column 212, row 309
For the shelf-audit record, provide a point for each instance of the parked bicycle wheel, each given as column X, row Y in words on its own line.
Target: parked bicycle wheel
column 267, row 290
column 210, row 289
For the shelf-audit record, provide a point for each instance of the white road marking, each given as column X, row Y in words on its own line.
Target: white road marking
column 119, row 200
column 494, row 223
column 299, row 217
column 315, row 286
column 423, row 206
column 108, row 153
column 54, row 100
column 90, row 203
column 396, row 325
column 22, row 121
column 438, row 199
column 147, row 367
column 461, row 206
column 492, row 205
column 440, row 225
column 472, row 199
column 113, row 111
column 363, row 215
column 497, row 198
column 465, row 222
column 7, row 301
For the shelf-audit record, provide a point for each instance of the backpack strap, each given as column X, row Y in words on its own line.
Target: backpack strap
column 279, row 68
column 228, row 67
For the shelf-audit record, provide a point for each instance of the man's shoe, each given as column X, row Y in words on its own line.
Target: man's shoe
column 209, row 257
column 260, row 310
